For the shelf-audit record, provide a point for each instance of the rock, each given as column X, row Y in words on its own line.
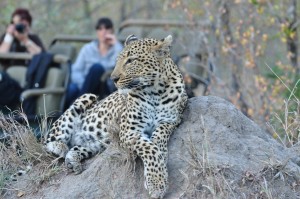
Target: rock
column 216, row 152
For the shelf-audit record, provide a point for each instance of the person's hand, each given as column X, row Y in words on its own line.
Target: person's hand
column 22, row 37
column 10, row 29
column 110, row 39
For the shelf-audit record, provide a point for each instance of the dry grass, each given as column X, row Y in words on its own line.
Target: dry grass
column 23, row 151
column 210, row 180
column 285, row 124
column 205, row 179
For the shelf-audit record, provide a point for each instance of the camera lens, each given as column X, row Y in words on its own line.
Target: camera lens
column 20, row 28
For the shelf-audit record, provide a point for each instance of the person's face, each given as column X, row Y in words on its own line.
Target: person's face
column 17, row 20
column 102, row 33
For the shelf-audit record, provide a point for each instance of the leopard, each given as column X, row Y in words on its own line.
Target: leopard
column 149, row 104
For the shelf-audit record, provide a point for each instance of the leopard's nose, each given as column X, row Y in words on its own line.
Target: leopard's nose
column 115, row 78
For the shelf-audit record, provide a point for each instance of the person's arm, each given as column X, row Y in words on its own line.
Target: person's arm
column 7, row 39
column 77, row 70
column 37, row 41
column 30, row 42
column 116, row 49
column 31, row 47
column 6, row 43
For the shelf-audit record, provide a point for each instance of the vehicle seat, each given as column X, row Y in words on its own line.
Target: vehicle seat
column 18, row 73
column 63, row 49
column 51, row 96
column 55, row 84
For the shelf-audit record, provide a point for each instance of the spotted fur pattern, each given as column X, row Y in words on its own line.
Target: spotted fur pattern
column 149, row 103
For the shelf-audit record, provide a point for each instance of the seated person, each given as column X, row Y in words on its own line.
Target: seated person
column 18, row 37
column 94, row 59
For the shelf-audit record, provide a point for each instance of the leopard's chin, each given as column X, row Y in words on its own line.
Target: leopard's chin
column 123, row 91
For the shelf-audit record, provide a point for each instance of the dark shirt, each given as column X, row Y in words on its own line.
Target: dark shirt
column 16, row 46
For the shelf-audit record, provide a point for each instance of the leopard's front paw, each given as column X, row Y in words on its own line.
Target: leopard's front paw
column 76, row 167
column 56, row 148
column 156, row 184
column 72, row 162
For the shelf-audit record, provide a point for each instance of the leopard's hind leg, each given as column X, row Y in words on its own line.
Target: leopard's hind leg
column 91, row 139
column 60, row 135
column 86, row 144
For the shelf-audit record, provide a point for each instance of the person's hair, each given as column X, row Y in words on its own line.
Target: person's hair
column 24, row 15
column 106, row 22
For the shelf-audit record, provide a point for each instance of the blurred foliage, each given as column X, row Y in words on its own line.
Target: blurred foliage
column 288, row 77
column 53, row 17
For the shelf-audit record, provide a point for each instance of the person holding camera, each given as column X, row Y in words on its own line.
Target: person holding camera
column 94, row 59
column 18, row 37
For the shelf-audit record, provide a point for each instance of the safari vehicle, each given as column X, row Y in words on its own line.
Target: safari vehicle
column 50, row 99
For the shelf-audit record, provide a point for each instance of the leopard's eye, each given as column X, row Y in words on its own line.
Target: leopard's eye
column 129, row 61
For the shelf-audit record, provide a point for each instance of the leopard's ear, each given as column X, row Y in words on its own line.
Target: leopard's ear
column 163, row 47
column 167, row 41
column 129, row 39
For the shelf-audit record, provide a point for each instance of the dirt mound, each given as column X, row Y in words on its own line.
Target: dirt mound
column 216, row 152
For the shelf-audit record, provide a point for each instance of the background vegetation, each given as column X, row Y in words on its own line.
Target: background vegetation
column 252, row 45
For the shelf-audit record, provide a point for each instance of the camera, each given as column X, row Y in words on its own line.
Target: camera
column 20, row 28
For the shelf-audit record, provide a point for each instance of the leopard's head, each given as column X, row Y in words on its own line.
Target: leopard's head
column 139, row 64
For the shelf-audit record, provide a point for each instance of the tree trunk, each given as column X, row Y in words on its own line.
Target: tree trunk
column 123, row 10
column 292, row 37
column 236, row 64
column 87, row 14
